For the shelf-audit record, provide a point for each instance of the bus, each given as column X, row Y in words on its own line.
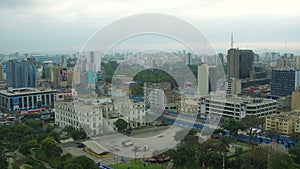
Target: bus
column 95, row 149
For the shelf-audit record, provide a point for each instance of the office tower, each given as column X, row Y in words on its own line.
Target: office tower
column 203, row 80
column 1, row 73
column 213, row 78
column 284, row 82
column 297, row 61
column 240, row 63
column 64, row 61
column 20, row 74
column 189, row 59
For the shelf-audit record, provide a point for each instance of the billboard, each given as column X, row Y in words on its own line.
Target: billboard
column 16, row 101
column 243, row 110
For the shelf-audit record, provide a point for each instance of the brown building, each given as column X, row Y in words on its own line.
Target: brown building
column 240, row 63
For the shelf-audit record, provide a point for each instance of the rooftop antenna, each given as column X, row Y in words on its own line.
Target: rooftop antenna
column 231, row 43
column 285, row 47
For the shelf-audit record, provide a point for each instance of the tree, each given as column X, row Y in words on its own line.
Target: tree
column 72, row 166
column 232, row 126
column 121, row 124
column 3, row 160
column 250, row 122
column 184, row 156
column 280, row 160
column 27, row 146
column 235, row 163
column 296, row 136
column 84, row 162
column 75, row 133
column 35, row 124
column 295, row 154
column 256, row 158
column 50, row 148
column 262, row 157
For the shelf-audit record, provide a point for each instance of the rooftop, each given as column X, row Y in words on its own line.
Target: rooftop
column 247, row 100
column 97, row 148
column 22, row 91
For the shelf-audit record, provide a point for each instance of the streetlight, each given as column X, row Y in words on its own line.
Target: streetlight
column 224, row 154
column 135, row 149
column 116, row 159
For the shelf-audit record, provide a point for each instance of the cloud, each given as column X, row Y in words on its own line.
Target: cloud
column 74, row 21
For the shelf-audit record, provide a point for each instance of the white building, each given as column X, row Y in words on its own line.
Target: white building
column 237, row 107
column 87, row 116
column 98, row 116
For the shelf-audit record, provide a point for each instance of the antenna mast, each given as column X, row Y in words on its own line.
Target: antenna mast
column 231, row 44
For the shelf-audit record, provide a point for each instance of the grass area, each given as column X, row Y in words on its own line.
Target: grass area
column 138, row 165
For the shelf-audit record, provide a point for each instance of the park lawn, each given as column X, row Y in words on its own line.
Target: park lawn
column 138, row 165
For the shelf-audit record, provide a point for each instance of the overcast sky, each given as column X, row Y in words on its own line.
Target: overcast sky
column 65, row 25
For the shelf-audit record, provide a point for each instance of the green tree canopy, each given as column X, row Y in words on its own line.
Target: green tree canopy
column 121, row 124
column 27, row 146
column 84, row 162
column 35, row 124
column 48, row 145
column 232, row 126
column 73, row 166
column 263, row 157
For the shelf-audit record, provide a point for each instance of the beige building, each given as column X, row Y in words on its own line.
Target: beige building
column 284, row 123
column 234, row 86
column 296, row 99
column 203, row 80
column 236, row 107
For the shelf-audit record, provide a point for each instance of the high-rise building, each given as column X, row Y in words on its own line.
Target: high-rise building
column 1, row 73
column 207, row 79
column 189, row 59
column 20, row 74
column 240, row 63
column 203, row 80
column 284, row 81
column 296, row 99
column 297, row 61
column 64, row 61
column 282, row 62
column 213, row 78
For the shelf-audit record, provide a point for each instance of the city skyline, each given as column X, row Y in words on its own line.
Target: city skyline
column 54, row 26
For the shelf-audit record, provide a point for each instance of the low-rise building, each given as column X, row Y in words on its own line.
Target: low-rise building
column 283, row 123
column 236, row 107
column 25, row 99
